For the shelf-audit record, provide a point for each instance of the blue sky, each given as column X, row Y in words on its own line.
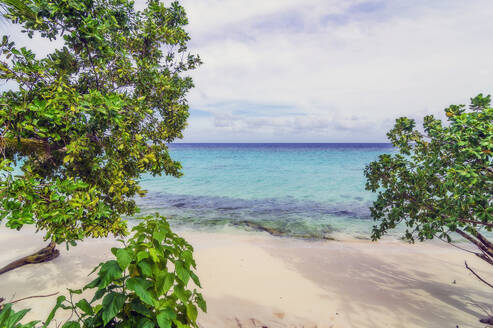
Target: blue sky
column 331, row 71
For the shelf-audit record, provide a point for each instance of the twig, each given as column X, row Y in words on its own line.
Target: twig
column 461, row 248
column 474, row 273
column 37, row 296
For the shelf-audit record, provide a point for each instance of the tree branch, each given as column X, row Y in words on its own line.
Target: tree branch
column 477, row 276
column 475, row 222
column 485, row 241
column 486, row 256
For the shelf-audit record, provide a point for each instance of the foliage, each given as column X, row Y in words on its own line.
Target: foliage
column 441, row 180
column 85, row 122
column 11, row 319
column 17, row 5
column 144, row 286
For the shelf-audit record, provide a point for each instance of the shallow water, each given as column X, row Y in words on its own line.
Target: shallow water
column 299, row 190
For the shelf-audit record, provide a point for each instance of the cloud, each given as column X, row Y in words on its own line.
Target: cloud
column 329, row 70
column 356, row 65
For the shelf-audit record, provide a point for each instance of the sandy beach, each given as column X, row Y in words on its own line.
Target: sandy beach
column 256, row 280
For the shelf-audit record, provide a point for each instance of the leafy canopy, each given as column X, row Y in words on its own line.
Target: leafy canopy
column 85, row 122
column 441, row 180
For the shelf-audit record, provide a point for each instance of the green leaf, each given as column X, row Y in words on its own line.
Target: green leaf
column 5, row 314
column 195, row 279
column 159, row 235
column 201, row 302
column 191, row 312
column 59, row 301
column 179, row 291
column 140, row 308
column 145, row 323
column 182, row 273
column 145, row 268
column 165, row 317
column 84, row 305
column 140, row 286
column 75, row 291
column 112, row 305
column 142, row 255
column 124, row 258
column 12, row 318
column 165, row 281
column 109, row 272
column 154, row 255
column 98, row 294
column 71, row 324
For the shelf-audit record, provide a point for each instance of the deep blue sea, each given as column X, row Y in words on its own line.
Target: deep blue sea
column 295, row 190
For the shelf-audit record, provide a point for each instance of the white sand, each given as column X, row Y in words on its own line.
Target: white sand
column 255, row 280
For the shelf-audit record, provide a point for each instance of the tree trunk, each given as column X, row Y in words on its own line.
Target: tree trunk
column 44, row 255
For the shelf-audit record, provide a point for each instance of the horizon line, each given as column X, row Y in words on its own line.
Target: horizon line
column 280, row 143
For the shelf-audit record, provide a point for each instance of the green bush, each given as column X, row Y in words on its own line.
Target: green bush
column 11, row 319
column 146, row 285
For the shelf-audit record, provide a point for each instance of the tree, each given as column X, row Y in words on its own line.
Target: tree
column 440, row 183
column 18, row 6
column 85, row 122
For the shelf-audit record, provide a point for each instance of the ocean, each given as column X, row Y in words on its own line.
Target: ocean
column 312, row 191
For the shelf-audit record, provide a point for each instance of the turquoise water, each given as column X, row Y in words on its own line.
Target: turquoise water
column 298, row 190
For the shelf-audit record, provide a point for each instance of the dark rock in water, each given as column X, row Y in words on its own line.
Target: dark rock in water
column 259, row 227
column 277, row 231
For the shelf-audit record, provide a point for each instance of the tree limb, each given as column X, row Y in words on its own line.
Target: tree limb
column 477, row 276
column 486, row 256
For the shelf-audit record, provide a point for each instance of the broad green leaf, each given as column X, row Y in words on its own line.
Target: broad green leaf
column 84, row 305
column 112, row 305
column 191, row 312
column 165, row 281
column 108, row 273
column 195, row 279
column 71, row 324
column 145, row 323
column 142, row 255
column 123, row 257
column 165, row 317
column 145, row 268
column 140, row 308
column 140, row 286
column 201, row 302
column 182, row 273
column 159, row 235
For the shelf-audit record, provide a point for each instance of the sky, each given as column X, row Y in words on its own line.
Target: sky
column 331, row 70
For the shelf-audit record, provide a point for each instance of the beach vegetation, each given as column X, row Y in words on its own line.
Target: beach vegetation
column 439, row 182
column 146, row 284
column 9, row 318
column 80, row 126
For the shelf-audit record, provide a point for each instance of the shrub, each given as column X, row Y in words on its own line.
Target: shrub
column 11, row 319
column 146, row 285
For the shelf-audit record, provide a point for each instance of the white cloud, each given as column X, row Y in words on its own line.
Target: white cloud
column 357, row 72
column 329, row 70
